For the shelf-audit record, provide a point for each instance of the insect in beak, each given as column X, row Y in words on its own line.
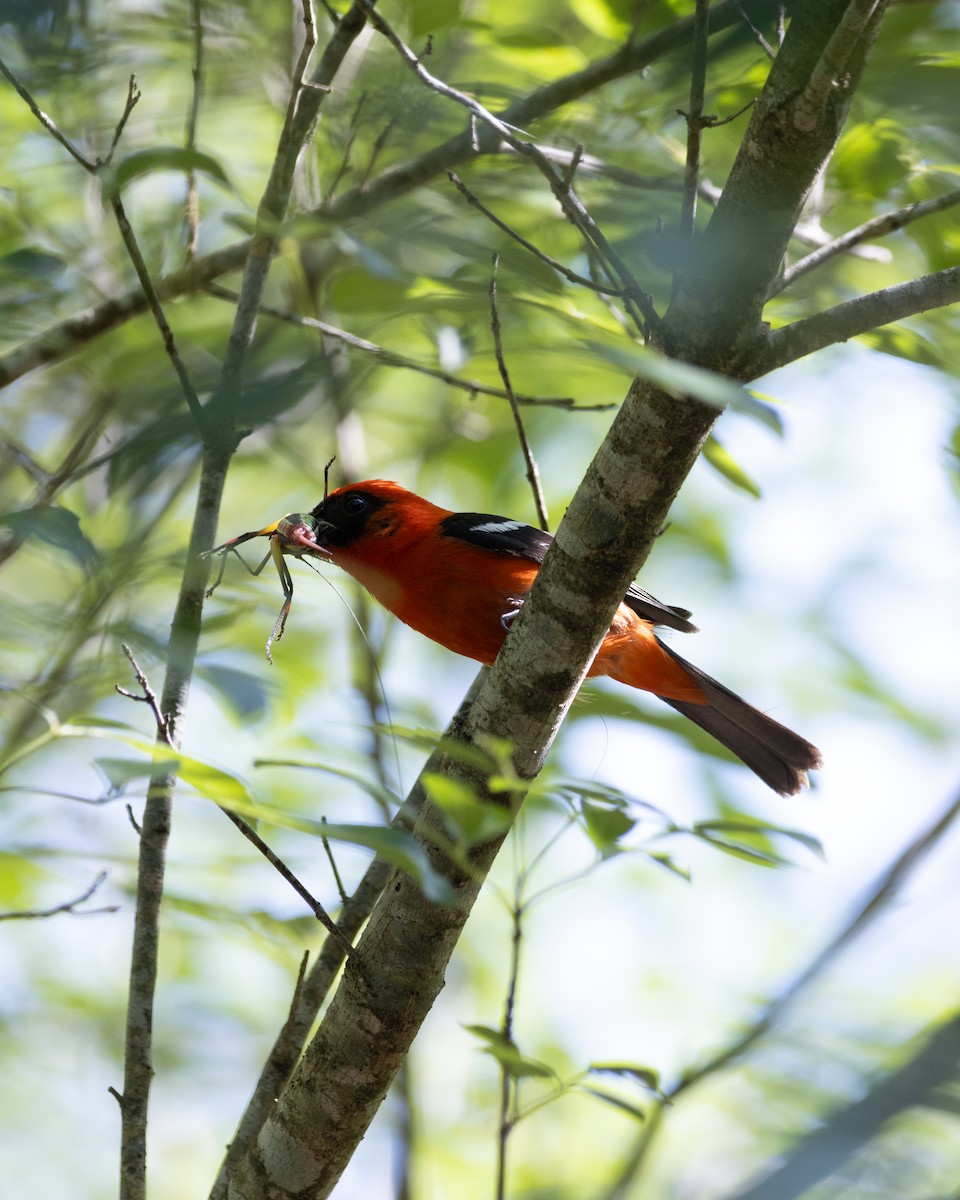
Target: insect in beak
column 296, row 535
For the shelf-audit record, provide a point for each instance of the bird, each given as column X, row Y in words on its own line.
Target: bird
column 460, row 579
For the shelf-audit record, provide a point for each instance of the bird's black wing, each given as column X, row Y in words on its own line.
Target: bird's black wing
column 506, row 536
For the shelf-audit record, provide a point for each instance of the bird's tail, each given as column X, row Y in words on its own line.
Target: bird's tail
column 779, row 756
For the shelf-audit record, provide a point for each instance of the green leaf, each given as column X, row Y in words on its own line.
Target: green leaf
column 647, row 1076
column 901, row 342
column 613, row 797
column 243, row 691
column 428, row 15
column 161, row 158
column 618, row 1102
column 668, row 864
column 474, row 820
column 214, row 783
column 605, row 825
column 723, row 462
column 683, row 379
column 373, row 788
column 871, row 158
column 508, row 1054
column 753, row 840
column 55, row 525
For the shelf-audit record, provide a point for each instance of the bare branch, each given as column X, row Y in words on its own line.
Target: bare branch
column 126, row 231
column 876, row 227
column 68, row 906
column 45, row 121
column 160, row 317
column 694, row 118
column 391, row 358
column 149, row 695
column 533, row 473
column 133, row 96
column 633, row 179
column 779, row 159
column 191, row 216
column 302, row 112
column 284, row 871
column 289, row 1045
column 508, row 1084
column 565, row 271
column 61, row 340
column 757, row 34
column 853, row 317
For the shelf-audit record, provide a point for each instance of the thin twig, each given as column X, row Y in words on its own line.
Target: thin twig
column 876, row 227
column 353, row 130
column 159, row 316
column 325, row 842
column 69, row 906
column 593, row 165
column 533, row 473
column 191, row 216
column 281, row 867
column 565, row 271
column 694, row 119
column 67, row 336
column 149, row 696
column 757, row 34
column 44, row 120
column 392, row 359
column 186, row 621
column 133, row 96
column 302, row 113
column 126, row 231
column 713, row 122
column 638, row 302
column 508, row 1082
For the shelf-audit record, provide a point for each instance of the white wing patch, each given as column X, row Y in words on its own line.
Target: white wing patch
column 499, row 526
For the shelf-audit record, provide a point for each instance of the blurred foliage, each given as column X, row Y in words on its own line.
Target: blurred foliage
column 100, row 464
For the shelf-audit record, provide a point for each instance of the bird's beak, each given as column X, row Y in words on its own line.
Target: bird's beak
column 300, row 533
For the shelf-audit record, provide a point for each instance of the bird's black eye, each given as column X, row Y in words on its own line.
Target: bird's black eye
column 354, row 505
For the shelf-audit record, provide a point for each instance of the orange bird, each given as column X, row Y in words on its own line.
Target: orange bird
column 461, row 578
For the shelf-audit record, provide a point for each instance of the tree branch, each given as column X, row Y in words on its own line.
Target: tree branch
column 302, row 111
column 852, row 318
column 694, row 119
column 68, row 906
column 533, row 471
column 559, row 267
column 390, row 358
column 877, row 227
column 780, row 158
